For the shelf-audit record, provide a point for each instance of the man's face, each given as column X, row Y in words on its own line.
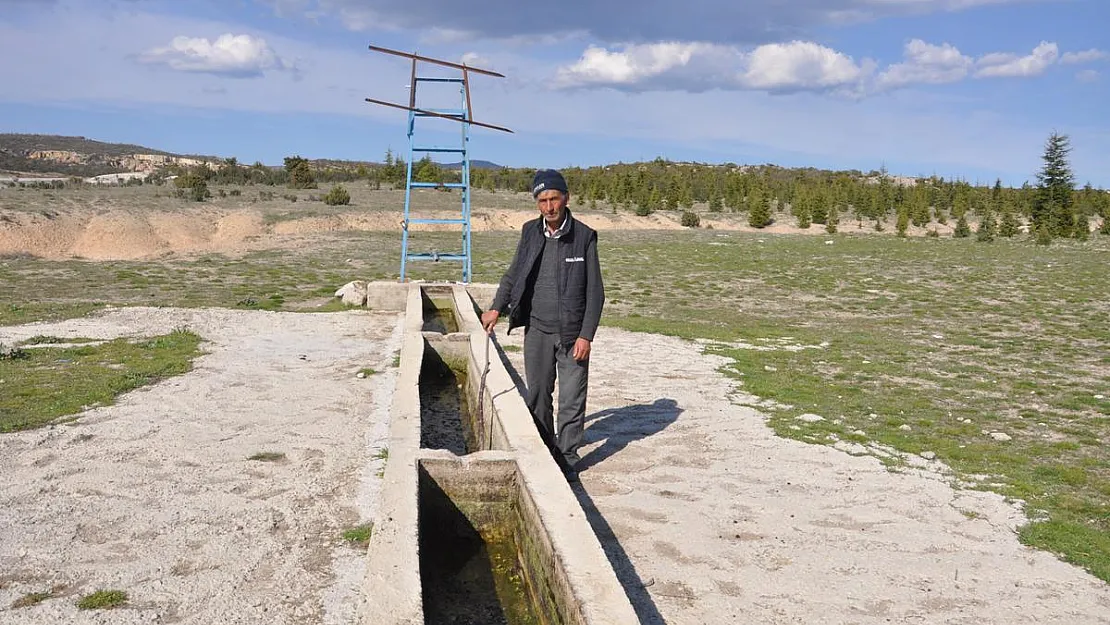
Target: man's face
column 553, row 206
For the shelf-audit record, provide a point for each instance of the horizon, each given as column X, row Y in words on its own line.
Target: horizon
column 242, row 163
column 929, row 88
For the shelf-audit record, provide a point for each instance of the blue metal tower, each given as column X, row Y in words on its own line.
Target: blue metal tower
column 463, row 114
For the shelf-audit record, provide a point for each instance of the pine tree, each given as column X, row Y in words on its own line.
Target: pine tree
column 1082, row 229
column 962, row 229
column 903, row 222
column 832, row 219
column 919, row 210
column 1041, row 235
column 300, row 173
column 819, row 207
column 1009, row 225
column 715, row 203
column 800, row 208
column 987, row 228
column 426, row 170
column 1052, row 205
column 759, row 214
column 1105, row 227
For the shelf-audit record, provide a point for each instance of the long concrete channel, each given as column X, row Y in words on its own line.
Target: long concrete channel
column 477, row 524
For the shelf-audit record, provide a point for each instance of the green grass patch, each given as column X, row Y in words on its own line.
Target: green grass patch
column 50, row 383
column 102, row 600
column 53, row 340
column 1073, row 541
column 366, row 372
column 920, row 345
column 359, row 536
column 27, row 312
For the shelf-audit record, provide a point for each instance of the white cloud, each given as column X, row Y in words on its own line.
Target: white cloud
column 1087, row 75
column 1086, row 56
column 795, row 66
column 926, row 63
column 800, row 65
column 1009, row 65
column 699, row 66
column 240, row 56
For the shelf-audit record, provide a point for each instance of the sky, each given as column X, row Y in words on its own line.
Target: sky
column 967, row 89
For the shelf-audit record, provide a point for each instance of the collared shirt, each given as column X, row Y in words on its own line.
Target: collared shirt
column 560, row 231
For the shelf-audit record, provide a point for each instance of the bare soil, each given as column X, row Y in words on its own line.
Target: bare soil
column 141, row 224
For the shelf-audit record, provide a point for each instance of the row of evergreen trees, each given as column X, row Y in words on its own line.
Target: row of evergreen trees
column 1051, row 208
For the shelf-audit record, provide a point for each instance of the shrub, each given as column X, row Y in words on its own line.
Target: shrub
column 338, row 196
column 199, row 192
column 690, row 219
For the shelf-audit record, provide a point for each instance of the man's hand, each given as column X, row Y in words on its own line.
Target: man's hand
column 581, row 350
column 489, row 319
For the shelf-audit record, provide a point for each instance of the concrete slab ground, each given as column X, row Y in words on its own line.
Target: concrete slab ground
column 158, row 496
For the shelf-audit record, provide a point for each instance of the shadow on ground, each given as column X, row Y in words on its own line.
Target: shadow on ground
column 620, row 426
column 634, row 587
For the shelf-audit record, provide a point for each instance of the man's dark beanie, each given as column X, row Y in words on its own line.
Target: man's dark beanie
column 547, row 179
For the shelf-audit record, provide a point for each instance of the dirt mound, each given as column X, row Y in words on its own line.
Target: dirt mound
column 46, row 235
column 118, row 236
column 103, row 231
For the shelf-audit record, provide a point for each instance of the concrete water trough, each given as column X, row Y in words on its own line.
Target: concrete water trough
column 477, row 524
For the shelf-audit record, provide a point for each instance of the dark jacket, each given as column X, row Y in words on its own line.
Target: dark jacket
column 581, row 293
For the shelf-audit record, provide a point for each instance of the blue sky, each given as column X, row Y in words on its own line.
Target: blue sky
column 957, row 88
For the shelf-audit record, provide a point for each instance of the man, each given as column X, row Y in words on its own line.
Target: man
column 553, row 289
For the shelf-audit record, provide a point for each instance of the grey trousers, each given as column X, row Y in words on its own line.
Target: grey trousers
column 544, row 356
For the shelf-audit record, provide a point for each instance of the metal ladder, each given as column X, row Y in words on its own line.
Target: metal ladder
column 462, row 114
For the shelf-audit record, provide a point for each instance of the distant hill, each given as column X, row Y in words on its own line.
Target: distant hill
column 474, row 164
column 80, row 156
column 26, row 143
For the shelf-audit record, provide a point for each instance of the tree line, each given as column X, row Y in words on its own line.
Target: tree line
column 1051, row 208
